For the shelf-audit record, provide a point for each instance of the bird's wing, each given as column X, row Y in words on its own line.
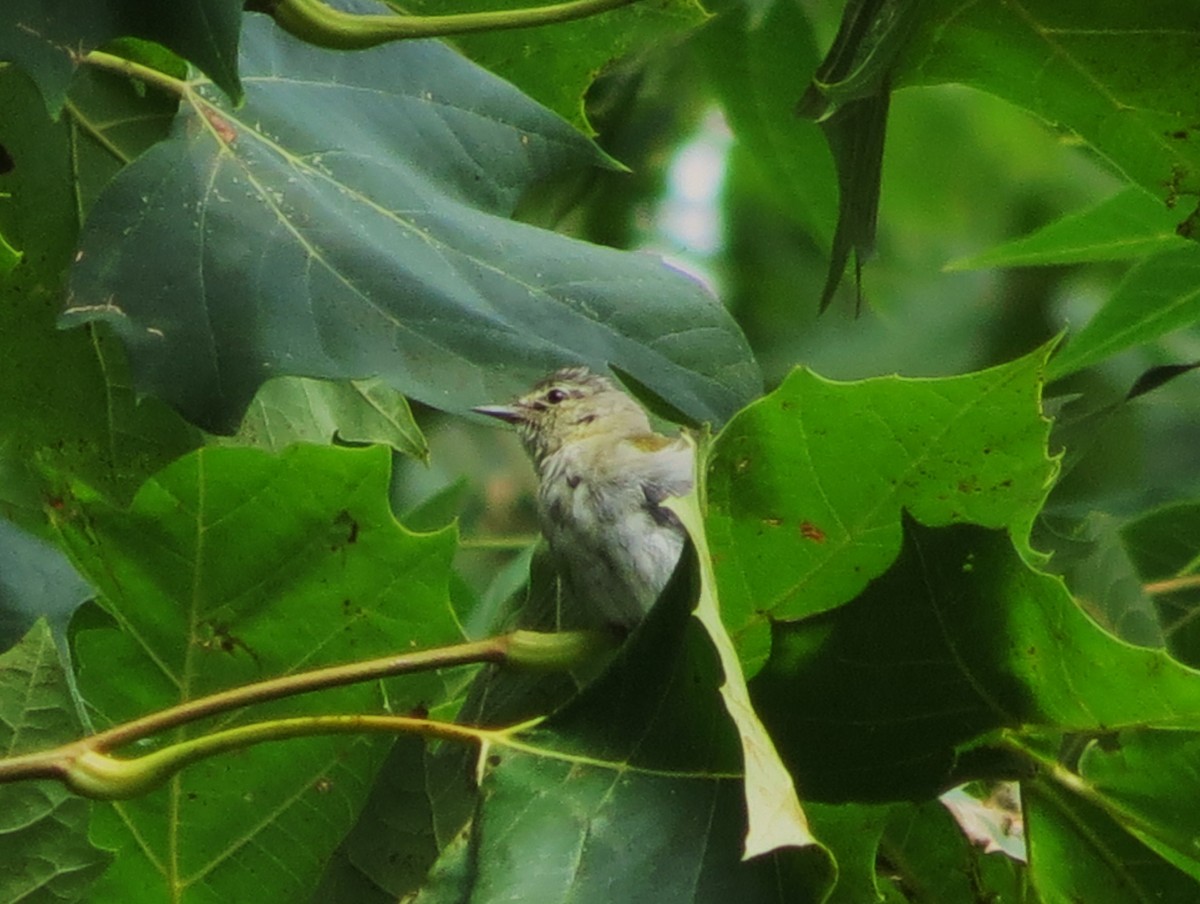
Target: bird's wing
column 663, row 466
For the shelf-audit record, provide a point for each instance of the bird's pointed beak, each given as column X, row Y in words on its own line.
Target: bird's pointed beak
column 507, row 413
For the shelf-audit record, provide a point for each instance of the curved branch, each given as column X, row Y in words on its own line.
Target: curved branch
column 315, row 23
column 85, row 765
column 103, row 777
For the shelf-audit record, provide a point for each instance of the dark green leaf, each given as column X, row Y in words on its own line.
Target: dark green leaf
column 1095, row 69
column 1092, row 558
column 111, row 120
column 556, row 64
column 1148, row 779
column 860, row 63
column 926, row 854
column 420, row 801
column 1129, row 225
column 849, row 96
column 806, row 486
column 45, row 37
column 43, row 827
column 852, row 832
column 1080, row 853
column 877, row 699
column 67, row 403
column 631, row 791
column 231, row 566
column 275, row 252
column 1156, row 377
column 856, row 135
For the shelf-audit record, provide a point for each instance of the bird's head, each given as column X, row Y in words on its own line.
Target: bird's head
column 569, row 406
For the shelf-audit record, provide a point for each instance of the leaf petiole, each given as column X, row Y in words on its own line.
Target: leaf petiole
column 138, row 71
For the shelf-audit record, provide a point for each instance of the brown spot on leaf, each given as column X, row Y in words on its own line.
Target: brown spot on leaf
column 346, row 520
column 810, row 531
column 220, row 125
column 1187, row 228
column 7, row 164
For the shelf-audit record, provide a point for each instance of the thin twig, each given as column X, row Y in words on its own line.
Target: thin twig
column 1172, row 585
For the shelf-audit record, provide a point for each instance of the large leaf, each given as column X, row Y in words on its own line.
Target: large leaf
column 46, row 37
column 43, row 827
column 806, row 486
column 233, row 565
column 556, row 64
column 1159, row 295
column 1092, row 68
column 350, row 221
column 883, row 697
column 630, row 792
column 65, row 399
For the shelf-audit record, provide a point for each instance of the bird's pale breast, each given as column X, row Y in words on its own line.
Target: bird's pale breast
column 615, row 545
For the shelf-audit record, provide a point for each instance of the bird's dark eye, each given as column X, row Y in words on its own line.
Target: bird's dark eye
column 554, row 396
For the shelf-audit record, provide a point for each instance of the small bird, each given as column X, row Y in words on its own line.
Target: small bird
column 602, row 475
